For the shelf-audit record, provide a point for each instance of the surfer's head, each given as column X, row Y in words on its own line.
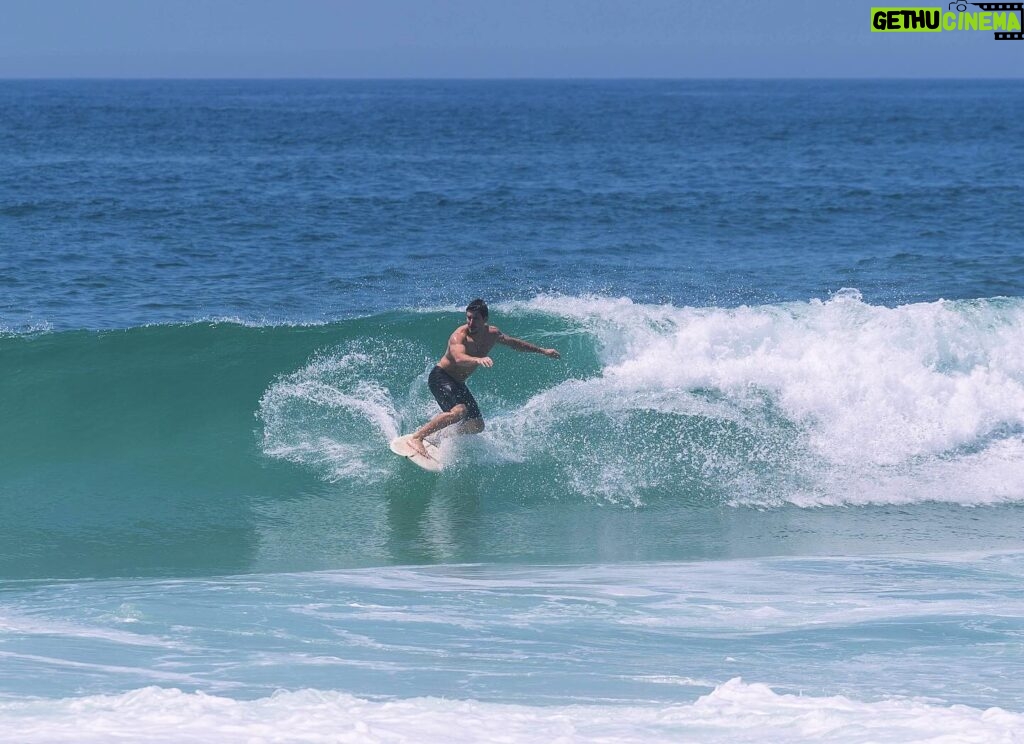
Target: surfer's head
column 476, row 314
column 477, row 306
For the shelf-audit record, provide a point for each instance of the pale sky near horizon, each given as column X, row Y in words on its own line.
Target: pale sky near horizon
column 479, row 39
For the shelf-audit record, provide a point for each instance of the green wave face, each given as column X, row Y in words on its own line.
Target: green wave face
column 135, row 450
column 161, row 449
column 226, row 448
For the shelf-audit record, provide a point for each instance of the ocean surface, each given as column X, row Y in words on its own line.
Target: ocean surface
column 773, row 490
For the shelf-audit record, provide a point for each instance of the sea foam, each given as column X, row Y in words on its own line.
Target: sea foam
column 864, row 403
column 734, row 712
column 824, row 402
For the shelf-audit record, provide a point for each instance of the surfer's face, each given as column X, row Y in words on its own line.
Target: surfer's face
column 475, row 321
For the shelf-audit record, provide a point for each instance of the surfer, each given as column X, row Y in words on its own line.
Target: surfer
column 468, row 348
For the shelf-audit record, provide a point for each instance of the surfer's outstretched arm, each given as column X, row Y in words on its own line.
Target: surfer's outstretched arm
column 519, row 345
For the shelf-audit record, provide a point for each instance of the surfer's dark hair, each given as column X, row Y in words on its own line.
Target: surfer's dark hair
column 477, row 306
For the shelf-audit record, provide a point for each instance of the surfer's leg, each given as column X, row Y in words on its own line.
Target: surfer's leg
column 446, row 391
column 474, row 423
column 457, row 404
column 472, row 426
column 440, row 421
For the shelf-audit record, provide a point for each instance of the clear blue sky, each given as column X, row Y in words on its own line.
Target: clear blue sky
column 479, row 39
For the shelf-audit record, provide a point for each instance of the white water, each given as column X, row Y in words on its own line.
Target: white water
column 734, row 712
column 887, row 405
column 819, row 403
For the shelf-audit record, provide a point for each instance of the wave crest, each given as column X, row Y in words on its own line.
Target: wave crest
column 826, row 402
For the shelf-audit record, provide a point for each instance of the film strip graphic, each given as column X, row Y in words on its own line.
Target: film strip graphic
column 1006, row 35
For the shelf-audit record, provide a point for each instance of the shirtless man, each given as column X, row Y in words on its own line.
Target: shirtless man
column 468, row 348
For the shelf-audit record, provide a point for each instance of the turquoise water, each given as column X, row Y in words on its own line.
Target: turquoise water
column 772, row 490
column 666, row 433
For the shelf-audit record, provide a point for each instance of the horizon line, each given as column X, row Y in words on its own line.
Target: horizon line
column 579, row 78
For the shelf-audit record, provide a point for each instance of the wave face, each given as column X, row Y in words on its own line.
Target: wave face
column 835, row 402
column 221, row 435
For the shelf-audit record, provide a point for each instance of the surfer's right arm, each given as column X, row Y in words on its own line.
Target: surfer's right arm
column 457, row 353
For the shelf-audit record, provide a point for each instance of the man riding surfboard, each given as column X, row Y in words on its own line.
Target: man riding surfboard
column 468, row 349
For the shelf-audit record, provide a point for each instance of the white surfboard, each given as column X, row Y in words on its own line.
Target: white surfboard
column 432, row 462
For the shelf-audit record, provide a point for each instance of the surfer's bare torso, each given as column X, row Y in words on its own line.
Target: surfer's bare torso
column 468, row 347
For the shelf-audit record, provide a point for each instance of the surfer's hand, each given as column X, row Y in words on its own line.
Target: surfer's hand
column 485, row 362
column 552, row 354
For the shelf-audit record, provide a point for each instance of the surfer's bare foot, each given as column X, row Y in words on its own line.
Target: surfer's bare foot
column 417, row 444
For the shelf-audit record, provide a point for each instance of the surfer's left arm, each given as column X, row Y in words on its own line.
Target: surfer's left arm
column 519, row 345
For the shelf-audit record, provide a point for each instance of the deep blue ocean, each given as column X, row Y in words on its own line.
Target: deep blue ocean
column 773, row 490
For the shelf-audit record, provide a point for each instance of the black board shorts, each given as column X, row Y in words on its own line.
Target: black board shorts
column 449, row 392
